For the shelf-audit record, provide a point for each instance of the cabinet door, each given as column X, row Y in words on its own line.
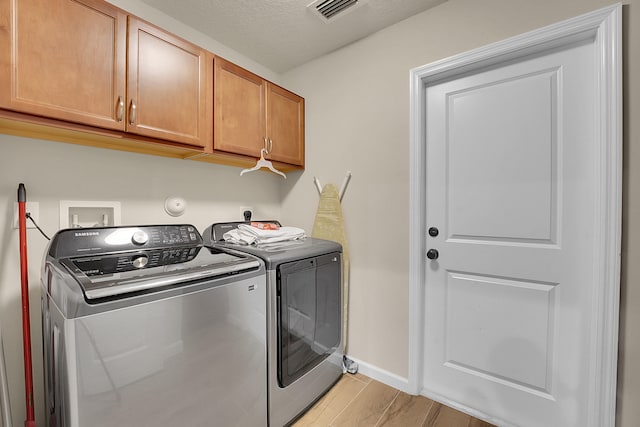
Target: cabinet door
column 64, row 59
column 239, row 109
column 168, row 86
column 285, row 125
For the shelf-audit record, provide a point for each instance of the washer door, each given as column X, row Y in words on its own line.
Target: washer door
column 309, row 319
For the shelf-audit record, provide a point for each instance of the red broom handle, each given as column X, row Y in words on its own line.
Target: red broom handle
column 26, row 325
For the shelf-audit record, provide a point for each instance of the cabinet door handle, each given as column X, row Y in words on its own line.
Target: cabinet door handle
column 132, row 112
column 270, row 146
column 120, row 108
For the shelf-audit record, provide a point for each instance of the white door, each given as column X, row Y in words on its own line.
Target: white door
column 512, row 199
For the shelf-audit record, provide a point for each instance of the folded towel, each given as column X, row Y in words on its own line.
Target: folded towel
column 248, row 235
column 235, row 237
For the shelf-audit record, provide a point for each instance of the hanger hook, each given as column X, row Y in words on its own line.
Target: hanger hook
column 269, row 144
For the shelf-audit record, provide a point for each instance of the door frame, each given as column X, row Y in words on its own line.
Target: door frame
column 603, row 28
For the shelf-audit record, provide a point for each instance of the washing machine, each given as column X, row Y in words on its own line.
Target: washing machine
column 304, row 299
column 144, row 326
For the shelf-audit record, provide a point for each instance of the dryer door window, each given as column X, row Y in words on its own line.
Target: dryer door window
column 309, row 321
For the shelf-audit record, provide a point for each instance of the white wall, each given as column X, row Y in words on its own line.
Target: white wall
column 357, row 101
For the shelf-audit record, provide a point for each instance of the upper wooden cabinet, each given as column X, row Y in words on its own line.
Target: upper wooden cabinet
column 67, row 59
column 87, row 72
column 239, row 109
column 168, row 86
column 63, row 59
column 251, row 113
column 285, row 125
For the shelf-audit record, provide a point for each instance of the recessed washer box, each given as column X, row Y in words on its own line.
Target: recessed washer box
column 89, row 213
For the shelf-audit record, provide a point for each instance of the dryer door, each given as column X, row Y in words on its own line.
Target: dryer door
column 309, row 320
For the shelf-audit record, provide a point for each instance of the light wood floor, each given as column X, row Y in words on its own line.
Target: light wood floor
column 357, row 400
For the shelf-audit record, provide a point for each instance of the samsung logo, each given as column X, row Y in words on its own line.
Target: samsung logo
column 87, row 233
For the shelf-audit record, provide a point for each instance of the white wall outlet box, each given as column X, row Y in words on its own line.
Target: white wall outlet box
column 32, row 208
column 89, row 213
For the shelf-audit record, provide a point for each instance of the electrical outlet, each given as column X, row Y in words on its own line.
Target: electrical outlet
column 246, row 208
column 32, row 208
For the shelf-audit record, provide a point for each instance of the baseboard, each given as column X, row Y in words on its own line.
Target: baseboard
column 385, row 377
column 402, row 384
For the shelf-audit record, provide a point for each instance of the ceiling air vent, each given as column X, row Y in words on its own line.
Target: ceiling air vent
column 329, row 9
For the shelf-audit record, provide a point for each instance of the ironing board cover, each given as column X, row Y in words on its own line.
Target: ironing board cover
column 329, row 225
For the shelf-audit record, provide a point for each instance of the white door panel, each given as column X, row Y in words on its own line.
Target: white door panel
column 511, row 167
column 515, row 121
column 517, row 351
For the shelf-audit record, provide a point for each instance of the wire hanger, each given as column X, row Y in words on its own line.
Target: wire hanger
column 262, row 163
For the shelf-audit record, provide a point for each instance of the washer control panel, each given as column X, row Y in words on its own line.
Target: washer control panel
column 130, row 261
column 107, row 240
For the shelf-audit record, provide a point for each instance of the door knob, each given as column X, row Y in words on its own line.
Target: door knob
column 433, row 254
column 433, row 231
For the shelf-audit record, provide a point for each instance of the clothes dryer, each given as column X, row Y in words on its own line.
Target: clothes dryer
column 304, row 282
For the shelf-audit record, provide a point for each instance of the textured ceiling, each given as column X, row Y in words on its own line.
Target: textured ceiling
column 282, row 34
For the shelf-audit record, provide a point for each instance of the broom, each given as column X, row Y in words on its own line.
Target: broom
column 26, row 326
